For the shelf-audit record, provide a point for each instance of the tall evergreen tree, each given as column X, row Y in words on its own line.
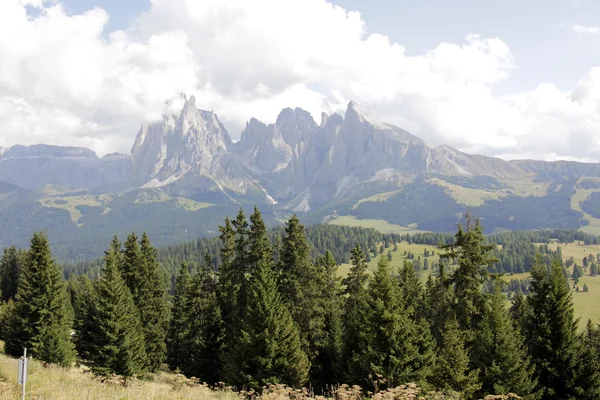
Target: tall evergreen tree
column 41, row 317
column 412, row 289
column 473, row 256
column 552, row 332
column 589, row 363
column 300, row 285
column 111, row 336
column 268, row 349
column 204, row 335
column 326, row 368
column 132, row 268
column 230, row 276
column 452, row 370
column 10, row 270
column 438, row 303
column 391, row 341
column 153, row 306
column 500, row 353
column 356, row 310
column 520, row 312
column 178, row 326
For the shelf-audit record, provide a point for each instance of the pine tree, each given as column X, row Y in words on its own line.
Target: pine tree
column 452, row 371
column 41, row 317
column 438, row 303
column 268, row 349
column 589, row 364
column 552, row 331
column 230, row 277
column 392, row 350
column 472, row 254
column 327, row 367
column 132, row 268
column 300, row 285
column 204, row 335
column 356, row 310
column 10, row 270
column 111, row 333
column 500, row 354
column 176, row 351
column 520, row 312
column 412, row 289
column 153, row 306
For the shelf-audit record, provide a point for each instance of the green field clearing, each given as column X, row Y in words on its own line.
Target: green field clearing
column 376, row 197
column 398, row 258
column 576, row 250
column 587, row 304
column 377, row 224
column 155, row 196
column 467, row 196
column 526, row 187
column 191, row 205
column 70, row 204
column 579, row 196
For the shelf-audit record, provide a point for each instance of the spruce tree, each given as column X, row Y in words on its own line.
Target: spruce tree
column 356, row 310
column 326, row 368
column 412, row 289
column 204, row 334
column 300, row 285
column 230, row 276
column 438, row 303
column 392, row 351
column 520, row 312
column 552, row 332
column 10, row 270
column 41, row 317
column 452, row 370
column 111, row 334
column 589, row 363
column 153, row 306
column 131, row 266
column 176, row 351
column 268, row 349
column 472, row 254
column 500, row 353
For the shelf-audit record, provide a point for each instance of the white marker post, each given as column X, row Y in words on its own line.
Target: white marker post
column 22, row 380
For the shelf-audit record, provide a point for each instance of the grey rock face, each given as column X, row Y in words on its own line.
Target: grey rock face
column 294, row 162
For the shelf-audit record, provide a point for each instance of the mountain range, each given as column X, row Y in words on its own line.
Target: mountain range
column 185, row 174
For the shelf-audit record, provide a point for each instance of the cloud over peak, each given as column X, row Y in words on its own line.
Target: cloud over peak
column 64, row 81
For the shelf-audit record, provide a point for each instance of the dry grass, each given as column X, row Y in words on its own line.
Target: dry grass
column 55, row 383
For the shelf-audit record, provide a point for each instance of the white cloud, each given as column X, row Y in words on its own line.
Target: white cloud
column 62, row 81
column 586, row 29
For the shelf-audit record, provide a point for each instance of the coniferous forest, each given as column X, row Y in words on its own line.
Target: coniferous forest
column 264, row 307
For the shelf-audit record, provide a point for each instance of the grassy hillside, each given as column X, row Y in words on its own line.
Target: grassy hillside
column 55, row 383
column 377, row 224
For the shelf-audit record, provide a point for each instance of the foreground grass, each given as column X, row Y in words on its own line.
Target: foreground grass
column 55, row 383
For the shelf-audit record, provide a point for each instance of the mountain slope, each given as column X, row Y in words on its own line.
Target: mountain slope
column 185, row 170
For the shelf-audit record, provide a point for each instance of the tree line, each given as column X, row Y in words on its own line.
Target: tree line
column 270, row 312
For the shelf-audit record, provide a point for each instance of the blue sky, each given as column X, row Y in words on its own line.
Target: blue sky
column 511, row 78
